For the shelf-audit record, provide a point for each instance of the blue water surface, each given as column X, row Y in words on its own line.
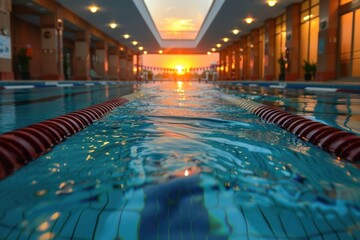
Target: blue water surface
column 181, row 163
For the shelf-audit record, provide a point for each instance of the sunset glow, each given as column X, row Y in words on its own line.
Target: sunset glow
column 178, row 19
column 185, row 61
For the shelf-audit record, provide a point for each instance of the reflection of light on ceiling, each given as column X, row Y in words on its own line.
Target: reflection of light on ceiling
column 235, row 31
column 113, row 25
column 93, row 9
column 271, row 3
column 186, row 173
column 249, row 20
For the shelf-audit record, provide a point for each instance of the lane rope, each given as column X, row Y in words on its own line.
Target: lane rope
column 21, row 146
column 344, row 145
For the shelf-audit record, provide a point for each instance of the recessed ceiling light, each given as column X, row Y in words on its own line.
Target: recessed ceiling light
column 113, row 25
column 249, row 20
column 235, row 31
column 145, row 52
column 213, row 49
column 218, row 45
column 225, row 39
column 161, row 51
column 134, row 43
column 271, row 3
column 126, row 36
column 208, row 53
column 93, row 8
column 141, row 48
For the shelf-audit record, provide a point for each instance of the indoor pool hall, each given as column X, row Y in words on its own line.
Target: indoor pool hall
column 179, row 120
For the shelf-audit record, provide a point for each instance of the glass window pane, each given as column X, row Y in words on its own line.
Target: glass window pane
column 304, row 43
column 178, row 19
column 305, row 16
column 345, row 43
column 314, row 30
column 356, row 53
column 342, row 2
column 314, row 11
column 314, row 2
column 305, row 5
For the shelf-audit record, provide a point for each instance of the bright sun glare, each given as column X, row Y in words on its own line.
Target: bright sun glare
column 180, row 70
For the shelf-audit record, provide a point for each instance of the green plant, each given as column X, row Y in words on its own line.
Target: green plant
column 23, row 61
column 313, row 69
column 307, row 67
column 282, row 63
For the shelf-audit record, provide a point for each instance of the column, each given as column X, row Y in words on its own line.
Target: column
column 130, row 67
column 327, row 52
column 52, row 46
column 6, row 71
column 123, row 64
column 102, row 63
column 254, row 46
column 270, row 60
column 237, row 60
column 246, row 57
column 114, row 64
column 293, row 41
column 82, row 56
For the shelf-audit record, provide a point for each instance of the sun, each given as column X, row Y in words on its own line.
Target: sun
column 180, row 70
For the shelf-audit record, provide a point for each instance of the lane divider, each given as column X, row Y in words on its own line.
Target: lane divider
column 342, row 144
column 21, row 146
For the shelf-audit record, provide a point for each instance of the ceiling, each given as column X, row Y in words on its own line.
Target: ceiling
column 229, row 15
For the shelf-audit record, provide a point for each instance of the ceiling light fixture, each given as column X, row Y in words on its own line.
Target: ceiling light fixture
column 126, row 36
column 249, row 20
column 161, row 51
column 235, row 31
column 218, row 45
column 141, row 48
column 93, row 9
column 113, row 25
column 145, row 52
column 208, row 53
column 271, row 3
column 213, row 49
column 134, row 43
column 225, row 39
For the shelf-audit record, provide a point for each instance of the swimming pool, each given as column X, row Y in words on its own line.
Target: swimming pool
column 180, row 162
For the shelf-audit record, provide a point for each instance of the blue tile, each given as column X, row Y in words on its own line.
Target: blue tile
column 86, row 225
column 107, row 227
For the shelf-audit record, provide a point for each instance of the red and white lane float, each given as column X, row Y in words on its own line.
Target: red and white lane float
column 342, row 144
column 21, row 146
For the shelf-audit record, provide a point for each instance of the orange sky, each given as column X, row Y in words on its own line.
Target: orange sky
column 175, row 60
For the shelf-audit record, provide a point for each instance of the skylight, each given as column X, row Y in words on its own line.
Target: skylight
column 178, row 19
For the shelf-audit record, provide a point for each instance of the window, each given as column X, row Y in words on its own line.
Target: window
column 309, row 30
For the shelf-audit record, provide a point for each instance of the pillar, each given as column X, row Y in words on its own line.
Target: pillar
column 254, row 47
column 6, row 71
column 114, row 64
column 327, row 52
column 293, row 41
column 246, row 57
column 102, row 62
column 237, row 60
column 130, row 67
column 82, row 56
column 123, row 64
column 222, row 65
column 52, row 46
column 270, row 60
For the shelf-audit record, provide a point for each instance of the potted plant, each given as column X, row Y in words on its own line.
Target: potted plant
column 282, row 63
column 307, row 70
column 313, row 70
column 23, row 61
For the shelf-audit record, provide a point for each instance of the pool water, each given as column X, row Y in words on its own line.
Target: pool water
column 181, row 163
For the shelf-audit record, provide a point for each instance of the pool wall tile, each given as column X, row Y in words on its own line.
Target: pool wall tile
column 86, row 224
column 256, row 222
column 105, row 228
column 129, row 225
